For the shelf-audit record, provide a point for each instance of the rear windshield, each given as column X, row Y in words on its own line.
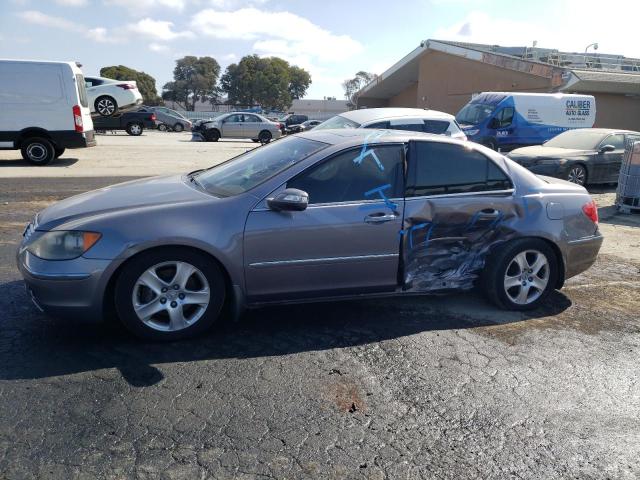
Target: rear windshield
column 337, row 122
column 82, row 91
column 584, row 139
column 246, row 171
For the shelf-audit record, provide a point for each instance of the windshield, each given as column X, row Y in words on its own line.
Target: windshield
column 577, row 139
column 244, row 172
column 474, row 113
column 337, row 122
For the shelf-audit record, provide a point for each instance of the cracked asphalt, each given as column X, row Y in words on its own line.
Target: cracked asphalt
column 426, row 387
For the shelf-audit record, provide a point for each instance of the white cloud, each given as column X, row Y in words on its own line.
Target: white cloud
column 158, row 48
column 138, row 7
column 72, row 3
column 279, row 33
column 38, row 18
column 157, row 29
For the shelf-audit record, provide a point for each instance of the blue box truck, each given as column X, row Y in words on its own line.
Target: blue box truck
column 506, row 120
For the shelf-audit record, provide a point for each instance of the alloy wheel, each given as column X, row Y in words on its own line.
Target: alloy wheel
column 171, row 296
column 106, row 107
column 577, row 175
column 526, row 277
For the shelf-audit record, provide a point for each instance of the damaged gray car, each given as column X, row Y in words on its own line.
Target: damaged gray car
column 327, row 214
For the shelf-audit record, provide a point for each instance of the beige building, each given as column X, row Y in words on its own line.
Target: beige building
column 444, row 75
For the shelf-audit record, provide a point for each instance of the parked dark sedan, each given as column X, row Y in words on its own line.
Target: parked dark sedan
column 320, row 215
column 582, row 156
column 302, row 127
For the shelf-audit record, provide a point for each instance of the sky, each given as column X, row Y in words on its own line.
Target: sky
column 332, row 39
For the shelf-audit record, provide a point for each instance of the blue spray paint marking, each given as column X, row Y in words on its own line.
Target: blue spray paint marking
column 412, row 229
column 380, row 190
column 366, row 151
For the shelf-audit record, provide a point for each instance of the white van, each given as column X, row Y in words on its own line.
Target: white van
column 43, row 109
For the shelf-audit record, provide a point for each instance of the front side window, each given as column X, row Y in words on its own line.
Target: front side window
column 505, row 117
column 442, row 168
column 615, row 140
column 354, row 175
column 233, row 118
column 248, row 170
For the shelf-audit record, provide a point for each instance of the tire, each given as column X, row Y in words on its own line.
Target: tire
column 211, row 135
column 135, row 129
column 577, row 174
column 59, row 151
column 38, row 151
column 505, row 267
column 265, row 136
column 106, row 106
column 178, row 127
column 255, row 140
column 165, row 312
column 162, row 127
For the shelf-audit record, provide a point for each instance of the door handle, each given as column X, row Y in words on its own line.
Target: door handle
column 380, row 217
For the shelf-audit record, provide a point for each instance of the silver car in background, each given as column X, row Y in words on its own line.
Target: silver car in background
column 411, row 119
column 239, row 125
column 320, row 215
column 169, row 119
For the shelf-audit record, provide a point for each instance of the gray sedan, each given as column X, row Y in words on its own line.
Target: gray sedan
column 240, row 125
column 316, row 216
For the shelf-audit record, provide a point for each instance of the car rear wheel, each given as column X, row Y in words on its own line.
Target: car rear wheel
column 265, row 136
column 170, row 294
column 178, row 127
column 38, row 151
column 577, row 174
column 211, row 135
column 106, row 106
column 134, row 129
column 521, row 274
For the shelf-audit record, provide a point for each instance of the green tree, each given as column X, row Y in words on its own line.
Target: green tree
column 146, row 83
column 194, row 79
column 353, row 86
column 270, row 82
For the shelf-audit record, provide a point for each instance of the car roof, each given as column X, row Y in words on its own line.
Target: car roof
column 357, row 136
column 370, row 114
column 604, row 130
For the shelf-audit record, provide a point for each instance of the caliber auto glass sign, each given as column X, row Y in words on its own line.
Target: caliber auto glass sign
column 577, row 110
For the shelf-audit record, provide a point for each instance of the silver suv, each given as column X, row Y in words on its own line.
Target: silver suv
column 239, row 125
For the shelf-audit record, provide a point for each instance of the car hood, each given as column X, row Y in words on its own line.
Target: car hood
column 540, row 151
column 151, row 192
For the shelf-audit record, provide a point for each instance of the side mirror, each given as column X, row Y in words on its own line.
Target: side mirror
column 607, row 148
column 289, row 199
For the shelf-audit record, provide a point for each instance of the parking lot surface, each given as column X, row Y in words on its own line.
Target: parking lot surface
column 423, row 387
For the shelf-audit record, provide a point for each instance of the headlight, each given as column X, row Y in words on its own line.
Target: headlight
column 62, row 245
column 472, row 132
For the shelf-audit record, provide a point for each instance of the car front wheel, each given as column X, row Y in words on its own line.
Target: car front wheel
column 521, row 274
column 178, row 127
column 170, row 294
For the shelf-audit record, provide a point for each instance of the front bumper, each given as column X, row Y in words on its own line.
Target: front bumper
column 69, row 288
column 581, row 254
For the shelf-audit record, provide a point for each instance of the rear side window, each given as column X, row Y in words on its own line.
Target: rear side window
column 354, row 175
column 384, row 125
column 408, row 124
column 82, row 91
column 436, row 126
column 442, row 168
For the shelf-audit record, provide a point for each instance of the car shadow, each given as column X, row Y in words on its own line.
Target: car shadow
column 58, row 162
column 36, row 346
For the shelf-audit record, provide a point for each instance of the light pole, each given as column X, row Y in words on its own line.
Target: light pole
column 594, row 45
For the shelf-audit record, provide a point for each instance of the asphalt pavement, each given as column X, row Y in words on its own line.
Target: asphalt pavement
column 427, row 387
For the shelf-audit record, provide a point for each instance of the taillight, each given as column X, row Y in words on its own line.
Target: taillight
column 591, row 210
column 126, row 86
column 153, row 117
column 77, row 119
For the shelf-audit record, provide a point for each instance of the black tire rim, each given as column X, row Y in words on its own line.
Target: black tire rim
column 265, row 137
